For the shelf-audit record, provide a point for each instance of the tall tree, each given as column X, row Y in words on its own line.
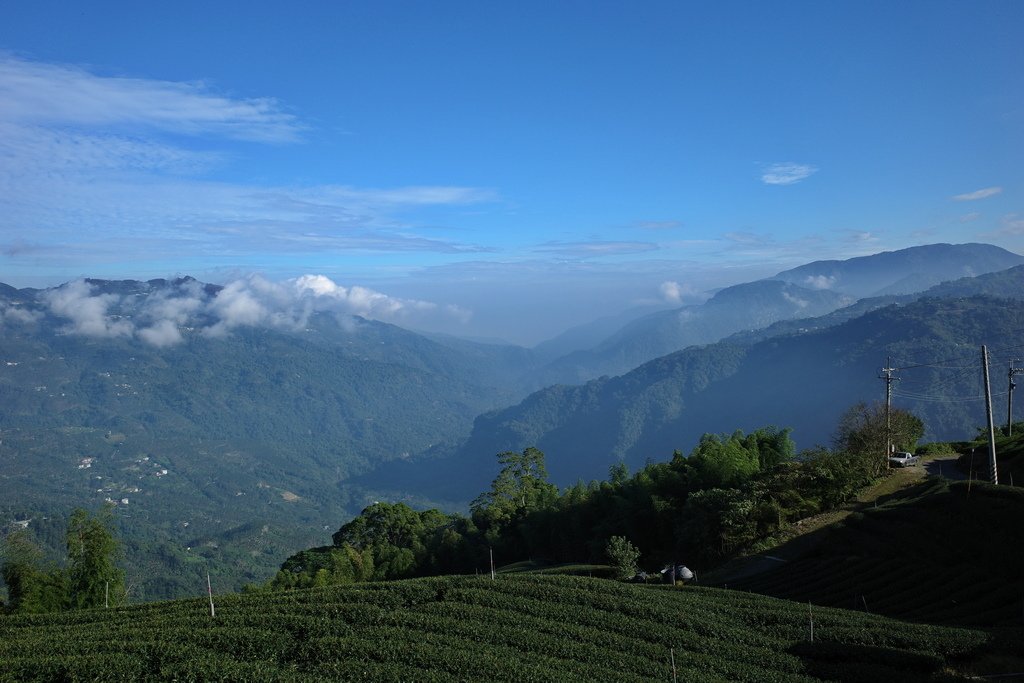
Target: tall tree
column 862, row 431
column 623, row 556
column 93, row 574
column 520, row 489
column 521, row 485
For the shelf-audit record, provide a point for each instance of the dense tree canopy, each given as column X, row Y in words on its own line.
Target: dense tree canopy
column 863, row 430
column 731, row 491
column 94, row 578
column 90, row 579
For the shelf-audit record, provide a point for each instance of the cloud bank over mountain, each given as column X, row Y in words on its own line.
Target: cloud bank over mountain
column 161, row 313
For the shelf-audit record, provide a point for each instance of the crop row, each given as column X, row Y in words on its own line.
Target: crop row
column 895, row 589
column 515, row 628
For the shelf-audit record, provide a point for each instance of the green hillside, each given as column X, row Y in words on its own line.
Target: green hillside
column 940, row 552
column 520, row 627
column 229, row 451
column 803, row 380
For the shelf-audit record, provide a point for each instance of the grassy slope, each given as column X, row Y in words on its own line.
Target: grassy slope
column 521, row 627
column 937, row 552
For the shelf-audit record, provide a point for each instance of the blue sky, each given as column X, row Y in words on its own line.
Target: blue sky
column 530, row 165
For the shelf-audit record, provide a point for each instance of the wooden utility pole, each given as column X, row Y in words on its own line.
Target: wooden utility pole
column 1009, row 398
column 993, row 473
column 889, row 379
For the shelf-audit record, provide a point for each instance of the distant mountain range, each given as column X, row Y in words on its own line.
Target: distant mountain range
column 233, row 425
column 902, row 272
column 799, row 374
column 808, row 291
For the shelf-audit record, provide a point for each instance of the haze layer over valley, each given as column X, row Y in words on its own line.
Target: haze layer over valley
column 265, row 265
column 233, row 423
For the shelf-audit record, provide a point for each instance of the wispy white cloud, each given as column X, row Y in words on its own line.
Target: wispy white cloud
column 595, row 248
column 749, row 239
column 94, row 168
column 978, row 194
column 1012, row 224
column 786, row 173
column 861, row 237
column 33, row 93
column 657, row 225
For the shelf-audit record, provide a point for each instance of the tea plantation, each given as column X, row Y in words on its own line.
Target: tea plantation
column 940, row 552
column 519, row 627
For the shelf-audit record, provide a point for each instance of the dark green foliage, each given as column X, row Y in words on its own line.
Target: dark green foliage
column 1009, row 457
column 538, row 628
column 94, row 579
column 32, row 585
column 865, row 430
column 731, row 493
column 385, row 542
column 520, row 489
column 91, row 578
column 622, row 556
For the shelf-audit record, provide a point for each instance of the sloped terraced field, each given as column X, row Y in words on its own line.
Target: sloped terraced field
column 518, row 628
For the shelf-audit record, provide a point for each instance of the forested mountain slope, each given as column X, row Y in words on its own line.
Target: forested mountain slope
column 802, row 380
column 224, row 423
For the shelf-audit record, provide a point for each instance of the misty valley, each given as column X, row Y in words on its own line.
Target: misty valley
column 260, row 438
column 232, row 426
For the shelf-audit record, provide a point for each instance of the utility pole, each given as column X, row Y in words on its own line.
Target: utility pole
column 1009, row 396
column 889, row 379
column 209, row 591
column 992, row 471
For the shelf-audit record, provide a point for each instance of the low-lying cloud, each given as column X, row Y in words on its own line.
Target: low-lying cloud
column 162, row 317
column 795, row 300
column 17, row 315
column 88, row 312
column 674, row 292
column 819, row 281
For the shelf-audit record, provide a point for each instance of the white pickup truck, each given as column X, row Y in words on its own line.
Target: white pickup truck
column 903, row 459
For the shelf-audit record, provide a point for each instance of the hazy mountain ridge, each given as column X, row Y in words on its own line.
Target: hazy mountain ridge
column 747, row 306
column 808, row 291
column 264, row 405
column 904, row 271
column 803, row 377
